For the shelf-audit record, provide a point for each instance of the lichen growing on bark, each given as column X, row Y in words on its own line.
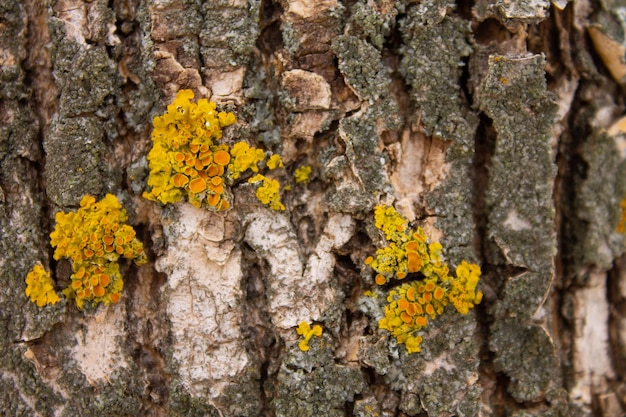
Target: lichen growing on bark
column 311, row 383
column 521, row 218
column 435, row 44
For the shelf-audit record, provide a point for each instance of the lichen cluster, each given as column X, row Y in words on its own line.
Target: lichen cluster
column 412, row 305
column 268, row 191
column 39, row 287
column 302, row 174
column 307, row 332
column 187, row 160
column 93, row 238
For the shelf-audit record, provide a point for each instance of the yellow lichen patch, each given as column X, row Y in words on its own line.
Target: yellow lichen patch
column 243, row 158
column 307, row 332
column 185, row 152
column 39, row 287
column 268, row 192
column 94, row 238
column 302, row 174
column 275, row 161
column 188, row 162
column 412, row 305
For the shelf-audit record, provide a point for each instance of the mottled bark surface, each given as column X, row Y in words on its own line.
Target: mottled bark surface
column 495, row 125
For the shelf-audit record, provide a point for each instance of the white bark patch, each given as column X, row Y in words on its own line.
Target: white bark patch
column 532, row 9
column 227, row 85
column 97, row 352
column 203, row 301
column 592, row 362
column 306, row 9
column 441, row 362
column 296, row 295
column 309, row 90
column 73, row 14
column 421, row 167
column 515, row 222
column 81, row 18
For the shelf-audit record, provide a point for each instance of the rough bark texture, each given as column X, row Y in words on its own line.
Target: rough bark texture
column 495, row 125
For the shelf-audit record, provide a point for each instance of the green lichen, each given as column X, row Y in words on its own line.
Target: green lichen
column 370, row 20
column 362, row 66
column 521, row 218
column 86, row 77
column 529, row 362
column 521, row 180
column 312, row 384
column 367, row 162
column 228, row 33
column 22, row 243
column 243, row 398
column 290, row 38
column 12, row 39
column 434, row 45
column 182, row 404
column 75, row 159
column 597, row 205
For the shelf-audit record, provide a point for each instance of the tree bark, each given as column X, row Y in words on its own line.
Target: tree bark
column 497, row 126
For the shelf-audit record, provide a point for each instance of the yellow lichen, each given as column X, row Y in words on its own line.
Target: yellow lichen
column 307, row 332
column 412, row 305
column 243, row 158
column 188, row 162
column 275, row 161
column 94, row 238
column 268, row 192
column 39, row 287
column 302, row 174
column 185, row 157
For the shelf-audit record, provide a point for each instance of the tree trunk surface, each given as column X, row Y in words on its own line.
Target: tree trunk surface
column 497, row 126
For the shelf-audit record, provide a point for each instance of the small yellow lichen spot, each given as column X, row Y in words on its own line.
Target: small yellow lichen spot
column 243, row 158
column 304, row 329
column 39, row 287
column 269, row 191
column 621, row 226
column 302, row 174
column 274, row 162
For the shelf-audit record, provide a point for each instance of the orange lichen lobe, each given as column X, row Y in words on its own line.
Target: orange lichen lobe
column 187, row 162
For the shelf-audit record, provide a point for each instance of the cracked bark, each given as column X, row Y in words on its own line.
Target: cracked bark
column 497, row 126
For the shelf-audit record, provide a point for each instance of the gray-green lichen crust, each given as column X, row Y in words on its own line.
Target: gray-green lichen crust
column 228, row 33
column 75, row 164
column 521, row 219
column 597, row 205
column 434, row 47
column 23, row 392
column 361, row 64
column 312, row 384
column 88, row 81
column 519, row 197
